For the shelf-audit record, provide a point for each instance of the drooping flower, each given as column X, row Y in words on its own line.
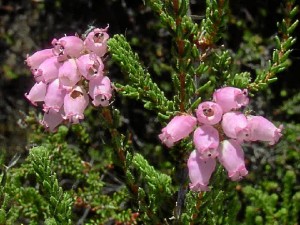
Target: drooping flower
column 75, row 103
column 234, row 125
column 178, row 128
column 261, row 129
column 68, row 73
column 54, row 98
column 90, row 66
column 68, row 46
column 231, row 98
column 37, row 93
column 96, row 41
column 52, row 119
column 231, row 156
column 47, row 71
column 206, row 140
column 200, row 171
column 100, row 90
column 209, row 113
column 36, row 59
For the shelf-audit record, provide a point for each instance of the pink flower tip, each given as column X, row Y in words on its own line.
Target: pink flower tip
column 178, row 128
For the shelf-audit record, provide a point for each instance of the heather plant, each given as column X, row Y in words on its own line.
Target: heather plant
column 86, row 164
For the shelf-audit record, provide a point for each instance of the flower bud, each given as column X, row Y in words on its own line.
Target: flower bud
column 209, row 113
column 178, row 128
column 75, row 103
column 231, row 156
column 231, row 98
column 200, row 171
column 206, row 140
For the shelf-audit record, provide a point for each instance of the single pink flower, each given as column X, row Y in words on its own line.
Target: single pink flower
column 75, row 103
column 231, row 98
column 231, row 156
column 209, row 113
column 200, row 171
column 206, row 140
column 90, row 65
column 100, row 90
column 68, row 46
column 234, row 125
column 52, row 119
column 178, row 128
column 47, row 71
column 262, row 129
column 68, row 73
column 96, row 41
column 36, row 59
column 54, row 98
column 37, row 93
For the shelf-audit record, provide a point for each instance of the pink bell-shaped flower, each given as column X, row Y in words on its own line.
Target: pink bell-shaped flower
column 234, row 125
column 47, row 71
column 54, row 98
column 200, row 171
column 100, row 90
column 52, row 119
column 209, row 113
column 37, row 93
column 90, row 66
column 75, row 103
column 262, row 129
column 96, row 41
column 68, row 73
column 231, row 156
column 178, row 128
column 36, row 59
column 68, row 46
column 206, row 140
column 231, row 98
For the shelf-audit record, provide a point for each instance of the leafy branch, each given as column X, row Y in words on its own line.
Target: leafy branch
column 283, row 43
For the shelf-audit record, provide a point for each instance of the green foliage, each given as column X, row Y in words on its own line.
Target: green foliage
column 283, row 44
column 92, row 174
column 276, row 205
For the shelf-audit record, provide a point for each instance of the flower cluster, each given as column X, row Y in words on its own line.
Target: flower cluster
column 221, row 130
column 68, row 75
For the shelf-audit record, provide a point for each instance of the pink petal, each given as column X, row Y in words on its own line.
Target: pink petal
column 200, row 171
column 75, row 103
column 52, row 119
column 262, row 129
column 231, row 156
column 178, row 128
column 37, row 93
column 206, row 140
column 68, row 73
column 54, row 98
column 234, row 124
column 96, row 41
column 100, row 90
column 209, row 113
column 231, row 98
